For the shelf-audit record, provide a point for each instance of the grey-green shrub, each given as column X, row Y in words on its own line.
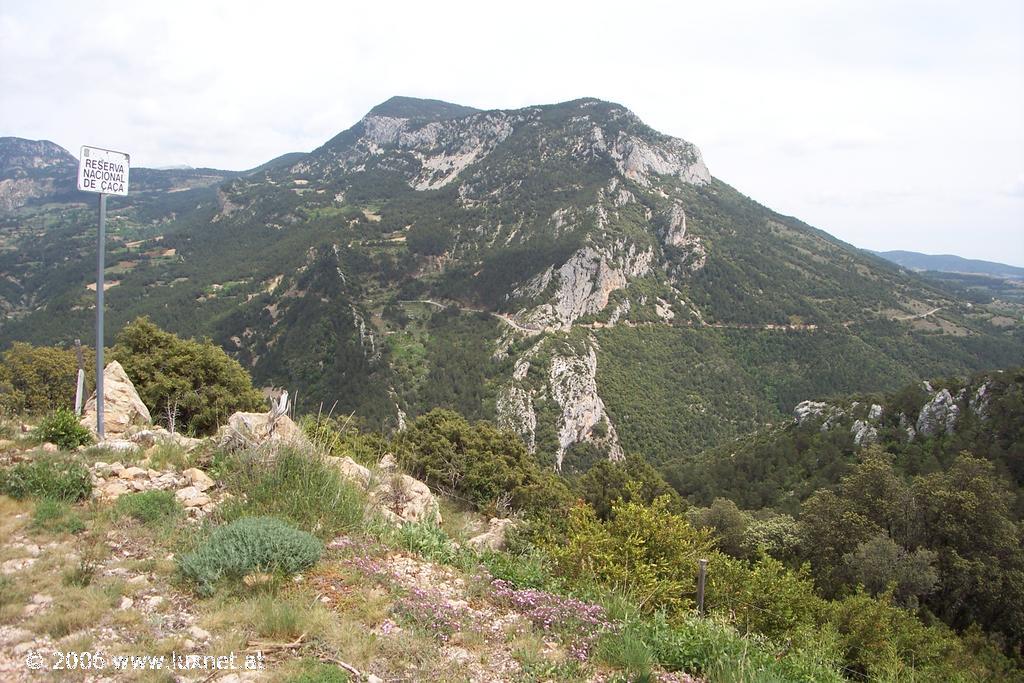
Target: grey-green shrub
column 50, row 477
column 247, row 545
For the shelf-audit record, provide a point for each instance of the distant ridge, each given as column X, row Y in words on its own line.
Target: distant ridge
column 948, row 263
column 417, row 109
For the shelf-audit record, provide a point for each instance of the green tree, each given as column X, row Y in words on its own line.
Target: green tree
column 727, row 522
column 40, row 379
column 880, row 564
column 606, row 482
column 831, row 527
column 479, row 463
column 194, row 379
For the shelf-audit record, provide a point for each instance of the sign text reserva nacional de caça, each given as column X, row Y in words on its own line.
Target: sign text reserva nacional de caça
column 103, row 170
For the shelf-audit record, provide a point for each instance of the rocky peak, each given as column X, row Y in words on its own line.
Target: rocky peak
column 418, row 109
column 18, row 155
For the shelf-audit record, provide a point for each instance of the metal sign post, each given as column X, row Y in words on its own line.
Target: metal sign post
column 101, row 247
column 106, row 172
column 80, row 385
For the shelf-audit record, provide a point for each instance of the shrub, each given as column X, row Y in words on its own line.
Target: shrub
column 56, row 517
column 488, row 467
column 149, row 507
column 426, row 540
column 37, row 379
column 56, row 478
column 645, row 550
column 62, row 427
column 296, row 486
column 196, row 381
column 251, row 544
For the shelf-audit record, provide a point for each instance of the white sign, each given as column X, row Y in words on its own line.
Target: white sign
column 103, row 170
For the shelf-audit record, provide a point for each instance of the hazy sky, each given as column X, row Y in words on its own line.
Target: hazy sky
column 893, row 125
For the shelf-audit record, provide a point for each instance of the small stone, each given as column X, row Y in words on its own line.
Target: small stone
column 10, row 635
column 42, row 599
column 155, row 601
column 191, row 497
column 140, row 580
column 20, row 564
column 370, row 678
column 113, row 489
column 139, row 485
column 199, row 633
column 126, row 603
column 133, row 473
column 199, row 479
column 30, row 549
column 256, row 579
column 50, row 447
column 116, row 467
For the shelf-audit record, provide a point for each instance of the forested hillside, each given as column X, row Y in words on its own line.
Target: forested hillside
column 918, row 493
column 564, row 270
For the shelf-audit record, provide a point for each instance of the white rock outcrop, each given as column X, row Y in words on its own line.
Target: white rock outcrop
column 398, row 497
column 122, row 407
column 573, row 383
column 495, row 537
column 514, row 410
column 584, row 283
column 639, row 160
column 674, row 232
column 864, row 434
column 807, row 410
column 253, row 430
column 939, row 415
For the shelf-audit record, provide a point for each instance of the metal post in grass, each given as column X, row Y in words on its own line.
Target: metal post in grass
column 80, row 384
column 702, row 571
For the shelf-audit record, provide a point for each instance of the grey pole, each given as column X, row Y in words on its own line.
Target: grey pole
column 702, row 568
column 99, row 315
column 80, row 384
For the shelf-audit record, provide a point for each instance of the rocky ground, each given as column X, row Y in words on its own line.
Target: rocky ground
column 109, row 586
column 94, row 580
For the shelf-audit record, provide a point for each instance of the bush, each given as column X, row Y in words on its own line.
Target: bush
column 485, row 466
column 195, row 380
column 56, row 478
column 38, row 379
column 296, row 486
column 149, row 507
column 63, row 429
column 646, row 551
column 251, row 544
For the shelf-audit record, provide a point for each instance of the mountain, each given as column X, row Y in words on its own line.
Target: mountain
column 32, row 168
column 947, row 263
column 564, row 269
